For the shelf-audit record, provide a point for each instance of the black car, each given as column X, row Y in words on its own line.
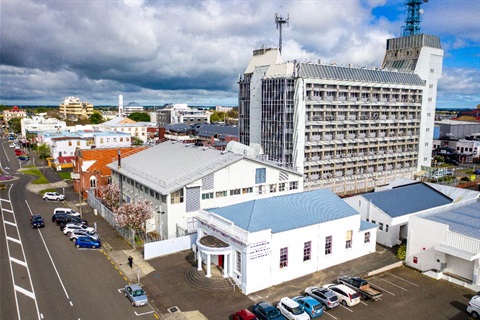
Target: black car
column 451, row 161
column 62, row 218
column 37, row 221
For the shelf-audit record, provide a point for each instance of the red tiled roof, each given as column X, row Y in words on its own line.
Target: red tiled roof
column 106, row 156
column 68, row 159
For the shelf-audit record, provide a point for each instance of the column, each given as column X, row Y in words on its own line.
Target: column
column 225, row 265
column 209, row 258
column 199, row 259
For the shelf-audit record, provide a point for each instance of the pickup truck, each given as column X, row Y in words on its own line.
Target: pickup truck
column 362, row 287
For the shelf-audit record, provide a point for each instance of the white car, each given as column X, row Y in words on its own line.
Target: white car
column 291, row 309
column 53, row 196
column 68, row 211
column 347, row 296
column 73, row 226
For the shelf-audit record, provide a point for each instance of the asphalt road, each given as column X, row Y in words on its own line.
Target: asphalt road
column 43, row 275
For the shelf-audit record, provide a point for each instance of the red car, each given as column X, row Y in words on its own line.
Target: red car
column 244, row 315
column 18, row 152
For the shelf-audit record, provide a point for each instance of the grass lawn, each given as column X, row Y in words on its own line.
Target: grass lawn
column 35, row 172
column 65, row 175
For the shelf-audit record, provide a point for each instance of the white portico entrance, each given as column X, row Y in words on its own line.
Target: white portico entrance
column 211, row 246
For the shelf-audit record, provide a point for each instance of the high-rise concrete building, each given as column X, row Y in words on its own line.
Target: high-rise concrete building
column 344, row 128
column 72, row 108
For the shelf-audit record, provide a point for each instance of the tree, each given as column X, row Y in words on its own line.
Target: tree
column 15, row 125
column 136, row 141
column 139, row 117
column 96, row 118
column 217, row 116
column 43, row 150
column 134, row 214
column 110, row 196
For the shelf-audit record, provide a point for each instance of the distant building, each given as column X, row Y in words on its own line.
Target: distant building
column 127, row 125
column 454, row 129
column 181, row 113
column 132, row 107
column 72, row 108
column 15, row 112
column 469, row 115
column 37, row 124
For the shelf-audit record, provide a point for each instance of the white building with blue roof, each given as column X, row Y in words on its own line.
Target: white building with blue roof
column 391, row 209
column 264, row 242
column 444, row 243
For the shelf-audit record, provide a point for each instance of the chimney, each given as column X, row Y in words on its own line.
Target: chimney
column 119, row 159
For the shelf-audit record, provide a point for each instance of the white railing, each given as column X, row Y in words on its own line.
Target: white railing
column 462, row 242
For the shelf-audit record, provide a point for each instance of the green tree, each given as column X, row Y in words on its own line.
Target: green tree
column 96, row 118
column 139, row 117
column 43, row 150
column 136, row 141
column 217, row 116
column 15, row 125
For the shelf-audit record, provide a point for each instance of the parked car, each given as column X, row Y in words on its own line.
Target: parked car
column 265, row 311
column 68, row 211
column 87, row 242
column 136, row 295
column 53, row 196
column 23, row 158
column 451, row 161
column 74, row 234
column 473, row 307
column 364, row 289
column 326, row 297
column 346, row 295
column 311, row 306
column 37, row 221
column 476, row 171
column 62, row 219
column 291, row 309
column 244, row 315
column 12, row 145
column 69, row 227
column 18, row 152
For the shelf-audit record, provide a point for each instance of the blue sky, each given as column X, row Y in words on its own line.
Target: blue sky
column 157, row 52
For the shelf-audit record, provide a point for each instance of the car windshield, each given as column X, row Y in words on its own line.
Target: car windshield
column 37, row 218
column 297, row 310
column 354, row 295
column 273, row 314
column 138, row 293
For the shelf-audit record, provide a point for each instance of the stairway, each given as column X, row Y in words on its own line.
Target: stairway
column 196, row 278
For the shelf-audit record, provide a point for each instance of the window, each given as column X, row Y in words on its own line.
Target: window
column 328, row 245
column 93, row 182
column 260, row 175
column 176, row 197
column 386, row 228
column 348, row 242
column 78, row 143
column 234, row 192
column 208, row 195
column 283, row 257
column 273, row 188
column 366, row 239
column 380, row 226
column 261, row 189
column 238, row 261
column 220, row 194
column 294, row 185
column 373, row 221
column 247, row 190
column 281, row 186
column 307, row 251
column 69, row 143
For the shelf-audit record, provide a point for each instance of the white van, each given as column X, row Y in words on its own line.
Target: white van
column 68, row 211
column 474, row 306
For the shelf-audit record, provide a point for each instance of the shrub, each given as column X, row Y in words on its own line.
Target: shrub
column 402, row 252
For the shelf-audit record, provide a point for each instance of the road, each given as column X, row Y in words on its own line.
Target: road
column 43, row 275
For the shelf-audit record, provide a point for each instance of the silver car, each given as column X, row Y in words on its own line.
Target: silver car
column 136, row 295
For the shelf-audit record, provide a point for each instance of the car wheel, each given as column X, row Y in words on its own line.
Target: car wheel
column 33, row 227
column 475, row 314
column 126, row 294
column 94, row 247
column 344, row 303
column 133, row 303
column 324, row 307
column 58, row 199
column 77, row 245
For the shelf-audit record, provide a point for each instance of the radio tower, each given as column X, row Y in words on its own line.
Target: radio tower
column 280, row 21
column 412, row 21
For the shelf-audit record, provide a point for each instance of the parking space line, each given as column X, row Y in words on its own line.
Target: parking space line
column 363, row 303
column 20, row 262
column 393, row 294
column 7, row 210
column 24, row 291
column 330, row 315
column 10, row 223
column 346, row 307
column 144, row 313
column 13, row 239
column 413, row 284
column 393, row 284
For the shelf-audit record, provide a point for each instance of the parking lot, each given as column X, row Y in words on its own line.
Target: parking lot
column 407, row 294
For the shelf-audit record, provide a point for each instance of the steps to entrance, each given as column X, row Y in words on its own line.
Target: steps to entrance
column 196, row 278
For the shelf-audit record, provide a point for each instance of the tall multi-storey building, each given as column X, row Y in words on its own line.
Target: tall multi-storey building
column 73, row 108
column 344, row 128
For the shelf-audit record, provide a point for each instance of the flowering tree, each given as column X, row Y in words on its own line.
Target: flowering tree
column 133, row 215
column 110, row 196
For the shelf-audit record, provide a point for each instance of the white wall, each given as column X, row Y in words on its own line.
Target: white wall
column 66, row 149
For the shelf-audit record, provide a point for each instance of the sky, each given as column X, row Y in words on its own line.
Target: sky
column 155, row 52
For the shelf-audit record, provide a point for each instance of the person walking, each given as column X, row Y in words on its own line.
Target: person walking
column 130, row 261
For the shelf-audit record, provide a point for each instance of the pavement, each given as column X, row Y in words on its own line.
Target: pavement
column 163, row 278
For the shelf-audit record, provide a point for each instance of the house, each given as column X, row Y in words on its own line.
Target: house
column 90, row 169
column 444, row 243
column 15, row 112
column 135, row 129
column 36, row 124
column 264, row 242
column 391, row 209
column 179, row 179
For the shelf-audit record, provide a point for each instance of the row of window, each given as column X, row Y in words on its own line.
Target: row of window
column 263, row 189
column 380, row 225
column 307, row 247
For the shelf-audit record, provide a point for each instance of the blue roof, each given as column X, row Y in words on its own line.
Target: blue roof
column 463, row 219
column 365, row 225
column 407, row 199
column 287, row 212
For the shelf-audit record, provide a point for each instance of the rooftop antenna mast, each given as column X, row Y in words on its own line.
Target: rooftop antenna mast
column 413, row 19
column 280, row 21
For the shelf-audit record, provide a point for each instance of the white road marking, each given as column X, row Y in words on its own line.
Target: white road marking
column 330, row 315
column 12, row 239
column 9, row 223
column 24, row 291
column 7, row 210
column 380, row 288
column 363, row 303
column 341, row 305
column 71, row 303
column 20, row 262
column 393, row 284
column 413, row 284
column 144, row 313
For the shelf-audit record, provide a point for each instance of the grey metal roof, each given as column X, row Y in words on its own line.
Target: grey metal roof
column 407, row 199
column 321, row 71
column 178, row 127
column 463, row 219
column 287, row 212
column 210, row 129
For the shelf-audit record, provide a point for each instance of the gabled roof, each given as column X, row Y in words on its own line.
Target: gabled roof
column 169, row 166
column 99, row 158
column 462, row 218
column 407, row 199
column 287, row 212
